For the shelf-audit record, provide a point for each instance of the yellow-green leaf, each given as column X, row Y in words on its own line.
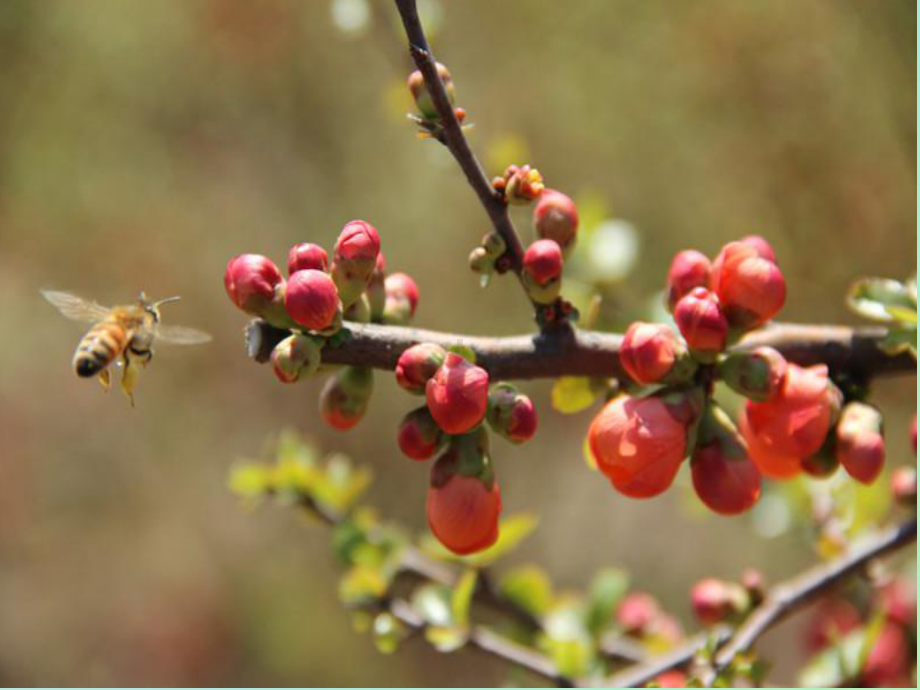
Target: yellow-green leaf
column 529, row 587
column 462, row 596
column 250, row 480
column 572, row 394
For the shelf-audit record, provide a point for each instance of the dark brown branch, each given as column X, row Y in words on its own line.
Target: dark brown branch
column 453, row 136
column 854, row 352
column 781, row 600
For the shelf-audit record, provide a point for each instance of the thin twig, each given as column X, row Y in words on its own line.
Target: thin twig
column 782, row 599
column 453, row 138
column 854, row 352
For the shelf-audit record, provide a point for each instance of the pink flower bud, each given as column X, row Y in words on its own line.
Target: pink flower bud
column 543, row 261
column 650, row 353
column 761, row 245
column 355, row 259
column 296, row 356
column 700, row 319
column 724, row 477
column 511, row 414
column 758, row 374
column 671, row 679
column 898, row 600
column 689, row 269
column 522, row 185
column 637, row 612
column 401, row 299
column 458, row 394
column 791, row 427
column 307, row 255
column 750, row 287
column 250, row 281
column 714, row 600
column 419, row 91
column 312, row 299
column 419, row 436
column 860, row 446
column 638, row 443
column 904, row 485
column 556, row 218
column 417, row 364
column 343, row 400
column 887, row 665
column 464, row 501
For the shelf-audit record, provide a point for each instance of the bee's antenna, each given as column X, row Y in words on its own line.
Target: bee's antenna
column 157, row 305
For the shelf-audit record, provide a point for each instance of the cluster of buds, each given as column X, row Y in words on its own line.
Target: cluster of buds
column 464, row 501
column 718, row 601
column 519, row 185
column 427, row 118
column 312, row 304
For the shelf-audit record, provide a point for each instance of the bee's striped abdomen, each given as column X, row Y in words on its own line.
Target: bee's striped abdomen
column 99, row 348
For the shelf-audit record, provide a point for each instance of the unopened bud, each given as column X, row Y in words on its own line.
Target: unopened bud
column 522, row 185
column 481, row 262
column 689, row 269
column 402, row 297
column 344, row 399
column 511, row 414
column 715, row 601
column 312, row 300
column 307, row 255
column 494, row 245
column 637, row 612
column 652, row 353
column 904, row 486
column 417, row 364
column 254, row 284
column 750, row 287
column 296, row 357
column 419, row 435
column 860, row 445
column 555, row 217
column 419, row 91
column 355, row 258
column 458, row 394
column 757, row 375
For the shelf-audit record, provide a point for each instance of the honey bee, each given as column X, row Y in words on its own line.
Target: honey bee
column 123, row 335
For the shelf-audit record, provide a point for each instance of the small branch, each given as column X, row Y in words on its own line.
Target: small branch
column 851, row 351
column 453, row 136
column 782, row 600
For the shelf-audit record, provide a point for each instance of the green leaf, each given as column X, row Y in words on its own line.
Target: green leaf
column 571, row 657
column 464, row 351
column 898, row 340
column 433, row 603
column 446, row 639
column 572, row 394
column 607, row 590
column 903, row 315
column 361, row 585
column 529, row 587
column 462, row 596
column 340, row 485
column 250, row 480
column 872, row 298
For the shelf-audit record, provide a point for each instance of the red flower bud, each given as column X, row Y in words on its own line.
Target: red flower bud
column 700, row 319
column 312, row 299
column 761, row 245
column 458, row 394
column 860, row 446
column 904, row 486
column 650, row 353
column 355, row 258
column 689, row 269
column 402, row 286
column 296, row 356
column 887, row 663
column 419, row 436
column 464, row 501
column 343, row 400
column 758, row 374
column 250, row 281
column 724, row 477
column 899, row 600
column 419, row 91
column 714, row 600
column 638, row 443
column 672, row 679
column 637, row 612
column 307, row 255
column 543, row 261
column 750, row 287
column 556, row 218
column 417, row 364
column 511, row 414
column 791, row 427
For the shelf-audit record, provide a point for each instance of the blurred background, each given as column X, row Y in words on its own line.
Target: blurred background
column 144, row 144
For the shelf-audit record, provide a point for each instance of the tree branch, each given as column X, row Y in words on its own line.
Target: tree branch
column 854, row 352
column 782, row 600
column 453, row 138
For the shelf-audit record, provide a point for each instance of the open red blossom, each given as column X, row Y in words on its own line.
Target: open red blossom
column 791, row 427
column 638, row 443
column 689, row 269
column 750, row 287
column 250, row 281
column 307, row 255
column 458, row 394
column 312, row 299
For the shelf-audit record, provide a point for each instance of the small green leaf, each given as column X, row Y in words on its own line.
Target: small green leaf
column 433, row 603
column 898, row 340
column 361, row 585
column 446, row 639
column 464, row 351
column 607, row 590
column 250, row 480
column 340, row 484
column 529, row 587
column 903, row 315
column 872, row 298
column 572, row 394
column 462, row 596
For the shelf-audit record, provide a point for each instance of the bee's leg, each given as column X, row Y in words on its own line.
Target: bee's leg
column 129, row 377
column 148, row 355
column 105, row 379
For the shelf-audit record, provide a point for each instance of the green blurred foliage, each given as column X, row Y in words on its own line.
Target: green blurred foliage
column 142, row 144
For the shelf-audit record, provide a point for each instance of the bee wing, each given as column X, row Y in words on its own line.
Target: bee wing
column 76, row 308
column 181, row 335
